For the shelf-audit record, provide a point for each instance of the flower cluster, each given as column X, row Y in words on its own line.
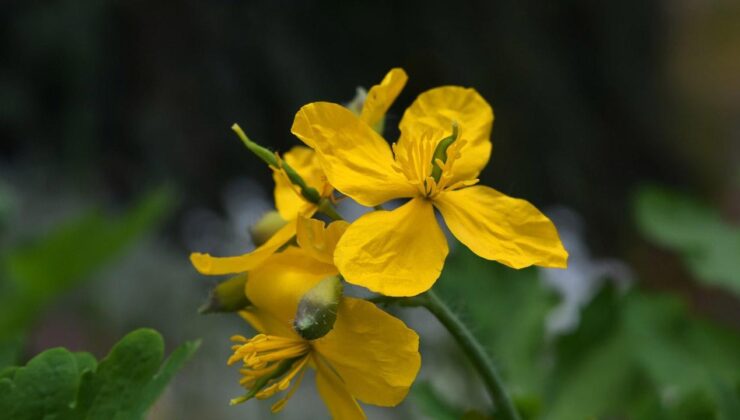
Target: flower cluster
column 292, row 292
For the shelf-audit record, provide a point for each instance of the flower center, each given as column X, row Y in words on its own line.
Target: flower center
column 269, row 365
column 431, row 175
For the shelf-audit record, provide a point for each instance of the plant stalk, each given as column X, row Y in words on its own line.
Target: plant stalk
column 504, row 408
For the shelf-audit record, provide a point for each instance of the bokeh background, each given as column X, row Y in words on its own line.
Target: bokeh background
column 620, row 119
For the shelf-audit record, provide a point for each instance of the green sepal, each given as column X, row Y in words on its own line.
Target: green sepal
column 227, row 296
column 267, row 226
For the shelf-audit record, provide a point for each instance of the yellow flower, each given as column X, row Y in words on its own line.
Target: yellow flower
column 368, row 356
column 290, row 205
column 289, row 201
column 401, row 252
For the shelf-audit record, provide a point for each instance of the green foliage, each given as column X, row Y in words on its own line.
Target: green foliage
column 63, row 385
column 33, row 273
column 506, row 308
column 432, row 404
column 634, row 355
column 709, row 246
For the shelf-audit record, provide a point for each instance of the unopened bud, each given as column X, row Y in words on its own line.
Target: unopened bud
column 263, row 153
column 227, row 296
column 317, row 310
column 309, row 193
column 263, row 230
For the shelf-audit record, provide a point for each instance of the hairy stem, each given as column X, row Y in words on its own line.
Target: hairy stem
column 469, row 344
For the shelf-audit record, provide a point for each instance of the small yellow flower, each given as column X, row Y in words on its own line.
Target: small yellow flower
column 368, row 356
column 401, row 252
column 288, row 199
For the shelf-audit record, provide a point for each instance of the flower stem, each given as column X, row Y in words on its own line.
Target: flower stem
column 469, row 344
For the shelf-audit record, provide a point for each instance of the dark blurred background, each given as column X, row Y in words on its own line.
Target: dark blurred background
column 103, row 101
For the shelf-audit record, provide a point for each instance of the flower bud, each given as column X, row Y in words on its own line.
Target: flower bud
column 227, row 296
column 261, row 152
column 263, row 230
column 317, row 310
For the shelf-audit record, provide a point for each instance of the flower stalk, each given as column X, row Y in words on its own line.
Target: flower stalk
column 504, row 408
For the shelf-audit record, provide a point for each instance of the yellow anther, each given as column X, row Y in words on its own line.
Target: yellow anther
column 270, row 365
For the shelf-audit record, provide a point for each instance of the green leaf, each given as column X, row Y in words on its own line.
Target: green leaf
column 120, row 378
column 708, row 245
column 173, row 363
column 681, row 354
column 61, row 385
column 32, row 274
column 85, row 362
column 506, row 309
column 46, row 387
column 432, row 404
column 10, row 349
column 728, row 400
column 594, row 372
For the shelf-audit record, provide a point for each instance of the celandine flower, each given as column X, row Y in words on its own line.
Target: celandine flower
column 289, row 201
column 401, row 252
column 368, row 356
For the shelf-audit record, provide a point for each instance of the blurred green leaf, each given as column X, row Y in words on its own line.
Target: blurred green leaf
column 506, row 309
column 681, row 354
column 10, row 349
column 594, row 372
column 692, row 406
column 728, row 400
column 432, row 404
column 63, row 385
column 634, row 355
column 709, row 246
column 36, row 272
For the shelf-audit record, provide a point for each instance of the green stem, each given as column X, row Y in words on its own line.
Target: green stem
column 470, row 346
column 326, row 207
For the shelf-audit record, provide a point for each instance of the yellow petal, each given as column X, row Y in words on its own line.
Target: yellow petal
column 437, row 108
column 341, row 404
column 381, row 97
column 319, row 240
column 395, row 253
column 206, row 264
column 288, row 199
column 356, row 160
column 498, row 227
column 374, row 353
column 278, row 284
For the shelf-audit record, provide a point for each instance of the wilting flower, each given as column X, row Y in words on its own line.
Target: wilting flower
column 289, row 201
column 401, row 252
column 368, row 356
